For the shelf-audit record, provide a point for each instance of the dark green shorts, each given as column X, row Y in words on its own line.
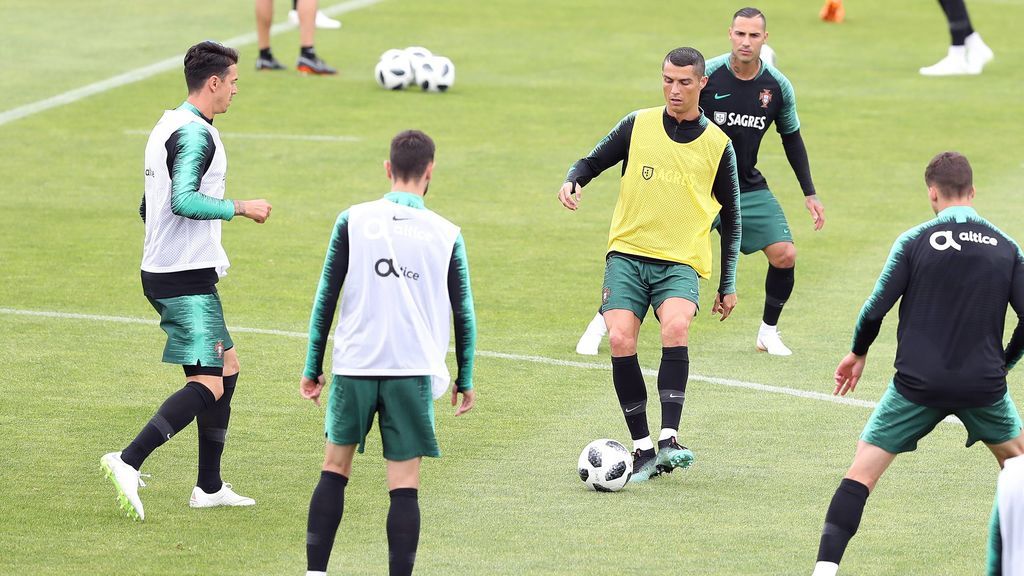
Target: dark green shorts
column 636, row 285
column 195, row 329
column 897, row 423
column 406, row 410
column 764, row 223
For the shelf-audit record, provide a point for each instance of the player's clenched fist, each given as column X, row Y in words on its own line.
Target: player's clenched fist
column 256, row 210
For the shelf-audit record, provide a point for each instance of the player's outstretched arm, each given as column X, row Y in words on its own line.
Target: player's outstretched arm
column 310, row 389
column 255, row 210
column 848, row 373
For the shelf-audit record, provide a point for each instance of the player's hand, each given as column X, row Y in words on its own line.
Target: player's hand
column 255, row 210
column 310, row 389
column 724, row 305
column 570, row 195
column 848, row 373
column 817, row 210
column 468, row 399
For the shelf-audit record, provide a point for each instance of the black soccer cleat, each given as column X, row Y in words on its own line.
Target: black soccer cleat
column 314, row 65
column 269, row 64
column 672, row 455
column 645, row 465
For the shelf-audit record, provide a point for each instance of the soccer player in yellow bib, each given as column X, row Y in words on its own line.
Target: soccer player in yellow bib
column 678, row 173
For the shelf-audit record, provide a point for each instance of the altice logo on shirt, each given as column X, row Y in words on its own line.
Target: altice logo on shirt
column 943, row 239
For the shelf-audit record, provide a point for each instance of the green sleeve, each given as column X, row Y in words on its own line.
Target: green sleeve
column 787, row 121
column 326, row 301
column 190, row 151
column 995, row 542
column 461, row 296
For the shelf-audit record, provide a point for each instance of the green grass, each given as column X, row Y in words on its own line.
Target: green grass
column 538, row 85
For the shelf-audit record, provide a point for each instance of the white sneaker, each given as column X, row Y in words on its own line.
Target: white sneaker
column 322, row 20
column 591, row 339
column 768, row 340
column 978, row 53
column 127, row 481
column 223, row 497
column 955, row 63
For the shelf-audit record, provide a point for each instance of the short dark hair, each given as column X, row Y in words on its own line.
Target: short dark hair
column 686, row 56
column 750, row 13
column 411, row 152
column 951, row 174
column 207, row 59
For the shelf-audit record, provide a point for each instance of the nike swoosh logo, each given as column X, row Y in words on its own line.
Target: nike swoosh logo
column 396, row 218
column 676, row 396
column 628, row 410
column 720, row 96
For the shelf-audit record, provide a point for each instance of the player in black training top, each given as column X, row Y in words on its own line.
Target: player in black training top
column 955, row 276
column 744, row 96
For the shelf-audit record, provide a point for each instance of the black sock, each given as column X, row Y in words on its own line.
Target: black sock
column 325, row 510
column 778, row 286
column 265, row 54
column 308, row 52
column 675, row 368
column 959, row 22
column 632, row 393
column 295, row 4
column 174, row 414
column 213, row 431
column 403, row 531
column 842, row 520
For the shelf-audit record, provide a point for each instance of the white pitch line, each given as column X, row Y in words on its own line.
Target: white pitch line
column 165, row 65
column 488, row 354
column 258, row 136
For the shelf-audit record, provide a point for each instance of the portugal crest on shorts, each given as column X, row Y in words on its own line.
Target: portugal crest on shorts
column 218, row 348
column 647, row 172
column 720, row 118
column 765, row 97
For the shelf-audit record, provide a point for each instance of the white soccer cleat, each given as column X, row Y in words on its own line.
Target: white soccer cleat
column 954, row 64
column 223, row 497
column 825, row 569
column 127, row 481
column 322, row 20
column 768, row 340
column 591, row 339
column 978, row 53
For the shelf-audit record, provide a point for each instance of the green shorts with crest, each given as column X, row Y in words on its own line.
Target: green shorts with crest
column 405, row 409
column 196, row 333
column 637, row 285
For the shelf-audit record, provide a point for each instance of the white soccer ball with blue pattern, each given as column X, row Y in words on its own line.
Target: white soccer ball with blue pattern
column 394, row 71
column 435, row 74
column 605, row 465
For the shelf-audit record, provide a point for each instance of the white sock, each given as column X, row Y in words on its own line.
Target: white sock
column 667, row 433
column 766, row 329
column 643, row 444
column 825, row 569
column 597, row 326
column 974, row 40
column 315, row 573
column 958, row 51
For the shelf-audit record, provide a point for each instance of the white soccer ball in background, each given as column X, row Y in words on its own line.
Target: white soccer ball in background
column 768, row 55
column 417, row 54
column 394, row 71
column 605, row 465
column 435, row 74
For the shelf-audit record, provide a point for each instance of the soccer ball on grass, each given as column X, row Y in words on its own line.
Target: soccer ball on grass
column 605, row 465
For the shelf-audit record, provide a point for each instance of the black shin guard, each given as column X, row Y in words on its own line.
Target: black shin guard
column 174, row 414
column 213, row 432
column 778, row 287
column 672, row 376
column 632, row 393
column 842, row 520
column 325, row 510
column 403, row 531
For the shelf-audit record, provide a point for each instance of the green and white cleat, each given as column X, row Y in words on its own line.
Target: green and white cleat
column 644, row 465
column 127, row 481
column 671, row 456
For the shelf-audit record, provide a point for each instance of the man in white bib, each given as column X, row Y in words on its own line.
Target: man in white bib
column 405, row 272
